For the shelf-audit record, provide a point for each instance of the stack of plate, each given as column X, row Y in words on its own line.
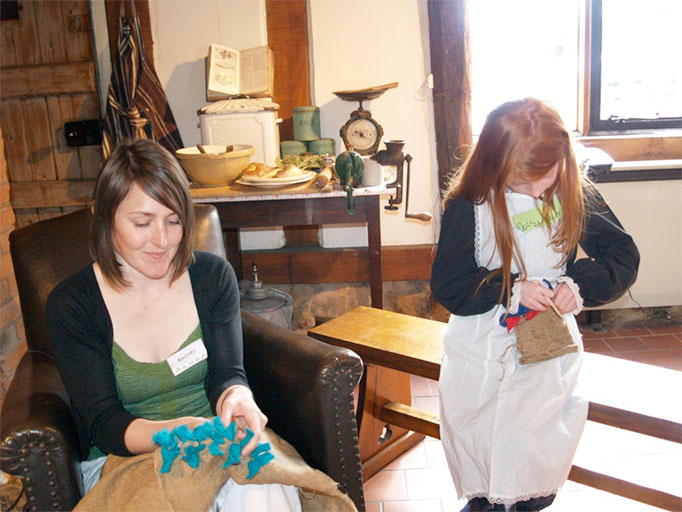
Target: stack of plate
column 252, row 181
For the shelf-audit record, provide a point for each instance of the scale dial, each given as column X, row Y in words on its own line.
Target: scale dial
column 362, row 132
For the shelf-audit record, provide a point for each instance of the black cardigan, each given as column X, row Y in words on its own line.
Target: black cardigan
column 82, row 337
column 608, row 271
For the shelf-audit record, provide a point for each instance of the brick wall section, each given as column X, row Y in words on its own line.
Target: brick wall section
column 12, row 336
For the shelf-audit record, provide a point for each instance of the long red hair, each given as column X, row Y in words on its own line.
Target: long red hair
column 523, row 139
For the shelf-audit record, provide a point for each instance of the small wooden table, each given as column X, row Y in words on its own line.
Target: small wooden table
column 241, row 206
column 392, row 346
column 622, row 394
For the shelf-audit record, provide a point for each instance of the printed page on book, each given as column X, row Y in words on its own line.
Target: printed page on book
column 222, row 71
column 256, row 71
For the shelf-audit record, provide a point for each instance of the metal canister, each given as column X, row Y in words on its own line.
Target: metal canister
column 292, row 147
column 306, row 123
column 269, row 303
column 322, row 146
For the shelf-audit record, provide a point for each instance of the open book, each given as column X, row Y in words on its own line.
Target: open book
column 229, row 72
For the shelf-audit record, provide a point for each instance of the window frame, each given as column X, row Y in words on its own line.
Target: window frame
column 450, row 65
column 622, row 125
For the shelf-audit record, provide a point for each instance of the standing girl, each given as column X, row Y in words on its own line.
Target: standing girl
column 513, row 219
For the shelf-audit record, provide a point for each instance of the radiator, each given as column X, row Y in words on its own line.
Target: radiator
column 647, row 199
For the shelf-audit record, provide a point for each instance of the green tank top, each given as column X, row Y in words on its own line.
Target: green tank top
column 151, row 391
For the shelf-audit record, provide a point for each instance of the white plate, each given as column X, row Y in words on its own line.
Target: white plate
column 274, row 183
column 285, row 181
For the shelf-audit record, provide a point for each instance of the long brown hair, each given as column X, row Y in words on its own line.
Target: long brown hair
column 523, row 139
column 157, row 172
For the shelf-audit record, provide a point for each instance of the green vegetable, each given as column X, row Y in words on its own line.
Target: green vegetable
column 303, row 162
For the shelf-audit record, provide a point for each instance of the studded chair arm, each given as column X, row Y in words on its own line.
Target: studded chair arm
column 38, row 438
column 305, row 388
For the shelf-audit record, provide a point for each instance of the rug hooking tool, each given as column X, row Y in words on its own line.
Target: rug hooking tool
column 551, row 304
column 554, row 308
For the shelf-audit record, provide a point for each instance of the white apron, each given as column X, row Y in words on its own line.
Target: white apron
column 509, row 431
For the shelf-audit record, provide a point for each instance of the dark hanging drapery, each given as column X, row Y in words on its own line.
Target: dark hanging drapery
column 136, row 104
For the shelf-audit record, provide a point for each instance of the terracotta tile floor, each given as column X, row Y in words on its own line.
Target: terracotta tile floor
column 419, row 481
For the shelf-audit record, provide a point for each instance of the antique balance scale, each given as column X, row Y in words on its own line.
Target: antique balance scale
column 363, row 133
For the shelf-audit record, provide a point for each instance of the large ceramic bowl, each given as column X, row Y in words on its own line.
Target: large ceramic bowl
column 215, row 167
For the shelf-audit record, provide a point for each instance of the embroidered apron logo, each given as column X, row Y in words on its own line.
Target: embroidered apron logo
column 532, row 219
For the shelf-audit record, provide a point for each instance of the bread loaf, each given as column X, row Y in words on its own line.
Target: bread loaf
column 259, row 170
column 289, row 171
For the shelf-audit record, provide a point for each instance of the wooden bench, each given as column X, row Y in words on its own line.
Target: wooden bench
column 622, row 394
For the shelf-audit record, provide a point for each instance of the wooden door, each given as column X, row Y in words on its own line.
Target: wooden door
column 47, row 78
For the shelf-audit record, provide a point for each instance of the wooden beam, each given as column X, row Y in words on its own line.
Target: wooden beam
column 410, row 418
column 635, row 422
column 51, row 194
column 626, row 489
column 113, row 10
column 330, row 266
column 48, row 80
column 376, row 463
column 346, row 265
column 407, row 262
column 624, row 148
column 450, row 64
column 287, row 24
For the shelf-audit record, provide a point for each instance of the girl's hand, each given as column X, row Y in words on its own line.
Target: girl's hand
column 564, row 299
column 535, row 296
column 238, row 405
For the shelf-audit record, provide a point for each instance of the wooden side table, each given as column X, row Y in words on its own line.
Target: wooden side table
column 241, row 206
column 392, row 346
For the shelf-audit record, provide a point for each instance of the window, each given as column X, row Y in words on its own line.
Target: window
column 531, row 48
column 636, row 79
column 523, row 48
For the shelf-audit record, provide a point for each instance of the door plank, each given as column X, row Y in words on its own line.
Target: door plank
column 39, row 139
column 43, row 80
column 49, row 213
column 25, row 32
column 25, row 216
column 67, row 159
column 16, row 144
column 77, row 30
column 52, row 194
column 8, row 55
column 50, row 31
column 86, row 106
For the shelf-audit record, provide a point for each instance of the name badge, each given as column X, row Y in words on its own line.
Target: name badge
column 532, row 219
column 183, row 359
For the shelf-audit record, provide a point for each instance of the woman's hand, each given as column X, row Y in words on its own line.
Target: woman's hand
column 238, row 405
column 564, row 299
column 535, row 296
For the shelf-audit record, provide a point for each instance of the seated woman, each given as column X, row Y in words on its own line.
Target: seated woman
column 149, row 336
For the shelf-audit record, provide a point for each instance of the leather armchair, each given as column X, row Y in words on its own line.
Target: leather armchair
column 304, row 386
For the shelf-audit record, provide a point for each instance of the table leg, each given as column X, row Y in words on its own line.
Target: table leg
column 234, row 252
column 374, row 248
column 382, row 385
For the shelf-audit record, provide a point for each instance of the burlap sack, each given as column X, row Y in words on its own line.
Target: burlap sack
column 12, row 495
column 135, row 483
column 543, row 337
